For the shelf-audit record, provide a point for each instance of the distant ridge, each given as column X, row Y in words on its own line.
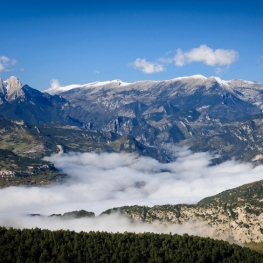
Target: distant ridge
column 118, row 82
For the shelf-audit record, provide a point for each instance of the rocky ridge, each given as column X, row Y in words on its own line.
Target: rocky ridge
column 234, row 214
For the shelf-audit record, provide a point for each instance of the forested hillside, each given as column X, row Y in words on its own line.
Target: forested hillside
column 38, row 245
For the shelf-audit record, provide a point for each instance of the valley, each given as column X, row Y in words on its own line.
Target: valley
column 148, row 118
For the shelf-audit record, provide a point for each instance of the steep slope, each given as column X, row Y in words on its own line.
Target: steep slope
column 38, row 141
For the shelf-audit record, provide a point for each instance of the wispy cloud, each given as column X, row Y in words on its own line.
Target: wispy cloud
column 96, row 71
column 147, row 67
column 6, row 63
column 206, row 55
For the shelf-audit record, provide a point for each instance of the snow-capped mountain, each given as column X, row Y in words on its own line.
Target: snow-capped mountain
column 148, row 91
column 221, row 99
column 203, row 113
column 184, row 110
column 111, row 83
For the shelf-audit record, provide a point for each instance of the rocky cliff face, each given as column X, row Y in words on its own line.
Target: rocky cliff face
column 234, row 214
column 242, row 223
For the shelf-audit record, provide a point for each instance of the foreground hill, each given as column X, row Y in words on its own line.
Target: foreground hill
column 235, row 214
column 37, row 245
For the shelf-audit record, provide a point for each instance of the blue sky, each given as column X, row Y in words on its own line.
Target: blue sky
column 85, row 41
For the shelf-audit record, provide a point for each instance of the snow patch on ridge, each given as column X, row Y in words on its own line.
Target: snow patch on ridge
column 222, row 82
column 198, row 76
column 118, row 85
column 58, row 89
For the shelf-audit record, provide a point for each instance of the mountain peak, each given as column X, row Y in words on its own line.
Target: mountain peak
column 12, row 88
column 13, row 83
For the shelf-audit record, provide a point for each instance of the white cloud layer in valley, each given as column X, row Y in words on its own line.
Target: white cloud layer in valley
column 101, row 181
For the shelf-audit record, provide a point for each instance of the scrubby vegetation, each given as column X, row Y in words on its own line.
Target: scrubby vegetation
column 38, row 245
column 251, row 193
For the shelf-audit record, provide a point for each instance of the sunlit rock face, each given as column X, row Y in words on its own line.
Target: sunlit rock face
column 13, row 89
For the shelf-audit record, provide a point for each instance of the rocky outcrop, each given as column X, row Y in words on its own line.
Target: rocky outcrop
column 13, row 89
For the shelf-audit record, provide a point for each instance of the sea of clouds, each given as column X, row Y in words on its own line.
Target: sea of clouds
column 99, row 181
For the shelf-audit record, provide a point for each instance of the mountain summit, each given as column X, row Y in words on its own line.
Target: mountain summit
column 11, row 89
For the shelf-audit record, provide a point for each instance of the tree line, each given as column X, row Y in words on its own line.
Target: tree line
column 36, row 245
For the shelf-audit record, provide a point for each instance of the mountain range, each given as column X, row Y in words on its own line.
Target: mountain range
column 205, row 114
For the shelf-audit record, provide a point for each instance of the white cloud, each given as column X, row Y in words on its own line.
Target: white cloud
column 54, row 84
column 147, row 67
column 206, row 55
column 5, row 63
column 96, row 71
